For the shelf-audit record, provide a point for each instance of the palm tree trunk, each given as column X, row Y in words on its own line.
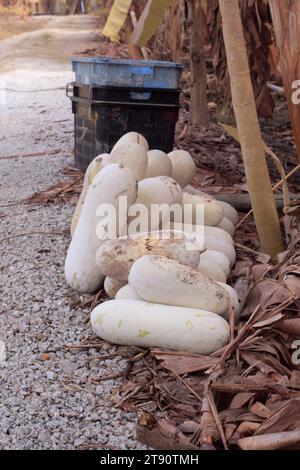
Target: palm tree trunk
column 258, row 179
column 198, row 103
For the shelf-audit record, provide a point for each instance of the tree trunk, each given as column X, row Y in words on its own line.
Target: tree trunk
column 286, row 21
column 258, row 179
column 198, row 103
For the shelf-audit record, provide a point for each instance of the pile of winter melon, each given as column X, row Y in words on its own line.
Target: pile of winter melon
column 168, row 291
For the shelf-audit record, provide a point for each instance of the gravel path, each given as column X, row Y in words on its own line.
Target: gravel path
column 46, row 399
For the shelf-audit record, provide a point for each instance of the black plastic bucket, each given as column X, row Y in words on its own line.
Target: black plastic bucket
column 103, row 114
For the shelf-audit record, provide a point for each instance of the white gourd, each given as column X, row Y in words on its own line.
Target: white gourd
column 94, row 167
column 112, row 286
column 205, row 210
column 183, row 167
column 115, row 257
column 233, row 297
column 134, row 138
column 158, row 164
column 217, row 258
column 154, row 192
column 212, row 243
column 137, row 323
column 133, row 156
column 165, row 281
column 211, row 270
column 81, row 271
column 126, row 292
column 205, row 230
column 230, row 212
column 227, row 225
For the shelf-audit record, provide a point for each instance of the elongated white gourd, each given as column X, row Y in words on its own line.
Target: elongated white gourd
column 94, row 167
column 81, row 271
column 137, row 323
column 216, row 258
column 208, row 231
column 183, row 167
column 134, row 138
column 216, row 244
column 227, row 225
column 152, row 193
column 127, row 292
column 133, row 156
column 115, row 257
column 211, row 270
column 165, row 281
column 219, row 233
column 230, row 212
column 211, row 210
column 112, row 286
column 158, row 164
column 233, row 297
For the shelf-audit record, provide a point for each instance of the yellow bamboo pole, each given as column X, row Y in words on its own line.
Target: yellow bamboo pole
column 258, row 179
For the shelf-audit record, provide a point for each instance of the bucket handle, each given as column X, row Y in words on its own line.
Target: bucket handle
column 71, row 96
column 68, row 91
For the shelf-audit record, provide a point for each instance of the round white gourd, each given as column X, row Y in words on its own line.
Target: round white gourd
column 212, row 243
column 154, row 192
column 137, row 323
column 112, row 286
column 211, row 209
column 233, row 297
column 230, row 212
column 81, row 271
column 165, row 281
column 134, row 138
column 183, row 167
column 211, row 270
column 127, row 292
column 94, row 167
column 227, row 225
column 115, row 257
column 158, row 164
column 217, row 258
column 133, row 156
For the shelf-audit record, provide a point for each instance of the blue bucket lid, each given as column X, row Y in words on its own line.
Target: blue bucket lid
column 134, row 63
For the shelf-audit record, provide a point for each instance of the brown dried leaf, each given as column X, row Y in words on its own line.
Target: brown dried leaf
column 286, row 418
column 162, row 435
column 184, row 363
column 241, row 399
column 275, row 441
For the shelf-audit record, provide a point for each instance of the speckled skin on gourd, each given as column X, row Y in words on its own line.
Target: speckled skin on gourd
column 115, row 257
column 166, row 281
